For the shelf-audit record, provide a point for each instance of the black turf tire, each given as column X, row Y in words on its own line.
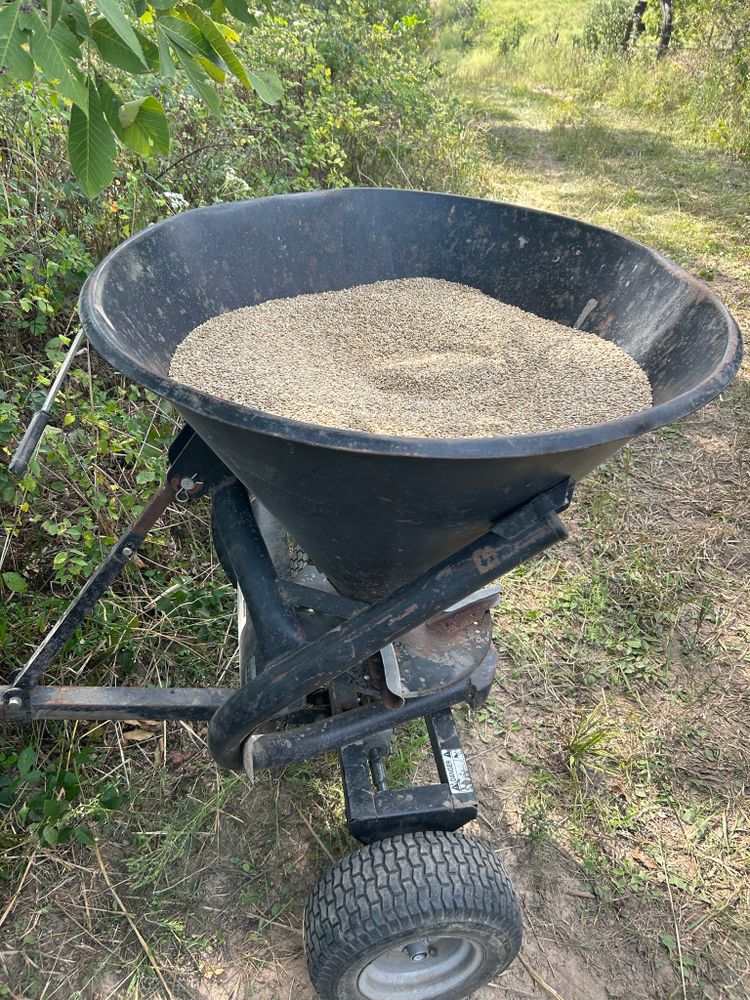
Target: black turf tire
column 403, row 888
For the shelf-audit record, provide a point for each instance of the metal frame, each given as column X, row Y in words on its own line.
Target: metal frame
column 290, row 664
column 374, row 811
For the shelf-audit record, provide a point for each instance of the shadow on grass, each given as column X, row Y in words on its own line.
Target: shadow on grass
column 635, row 169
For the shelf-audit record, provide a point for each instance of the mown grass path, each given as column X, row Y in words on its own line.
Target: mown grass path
column 616, row 747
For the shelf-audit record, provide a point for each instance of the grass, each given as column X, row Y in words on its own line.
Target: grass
column 626, row 650
column 612, row 757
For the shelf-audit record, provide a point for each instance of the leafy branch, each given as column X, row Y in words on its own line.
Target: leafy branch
column 75, row 44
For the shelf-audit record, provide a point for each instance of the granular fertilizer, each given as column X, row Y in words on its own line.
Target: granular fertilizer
column 417, row 357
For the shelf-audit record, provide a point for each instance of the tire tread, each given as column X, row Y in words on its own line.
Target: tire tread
column 397, row 885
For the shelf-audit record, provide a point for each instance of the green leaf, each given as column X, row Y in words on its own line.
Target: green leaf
column 15, row 582
column 113, row 49
column 239, row 9
column 91, row 146
column 13, row 58
column 76, row 18
column 166, row 62
column 83, row 835
column 267, row 86
column 139, row 6
column 144, row 126
column 72, row 790
column 211, row 69
column 163, row 4
column 52, row 809
column 218, row 42
column 110, row 797
column 49, row 833
column 186, row 36
column 199, row 82
column 110, row 105
column 116, row 17
column 54, row 9
column 57, row 53
column 129, row 112
column 150, row 51
column 668, row 941
column 26, row 761
column 141, row 124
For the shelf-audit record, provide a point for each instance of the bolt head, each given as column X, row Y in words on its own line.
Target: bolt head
column 187, row 483
column 127, row 552
column 15, row 701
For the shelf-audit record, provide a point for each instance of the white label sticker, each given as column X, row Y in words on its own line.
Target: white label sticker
column 457, row 770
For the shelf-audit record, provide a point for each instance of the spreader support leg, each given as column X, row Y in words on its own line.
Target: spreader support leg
column 373, row 813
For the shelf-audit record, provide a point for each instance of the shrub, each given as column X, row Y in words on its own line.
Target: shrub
column 606, row 24
column 361, row 106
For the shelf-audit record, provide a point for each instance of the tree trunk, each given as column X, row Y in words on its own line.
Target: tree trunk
column 666, row 27
column 635, row 27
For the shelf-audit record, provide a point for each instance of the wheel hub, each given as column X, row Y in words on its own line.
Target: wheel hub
column 418, row 951
column 421, row 969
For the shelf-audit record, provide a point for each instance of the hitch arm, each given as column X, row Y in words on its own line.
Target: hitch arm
column 16, row 696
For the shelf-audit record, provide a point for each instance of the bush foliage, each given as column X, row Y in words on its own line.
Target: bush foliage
column 80, row 53
column 360, row 106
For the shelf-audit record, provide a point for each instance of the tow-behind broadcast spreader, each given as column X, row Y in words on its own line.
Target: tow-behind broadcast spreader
column 365, row 565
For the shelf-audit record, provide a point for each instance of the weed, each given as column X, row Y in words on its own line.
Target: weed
column 408, row 745
column 586, row 745
column 48, row 803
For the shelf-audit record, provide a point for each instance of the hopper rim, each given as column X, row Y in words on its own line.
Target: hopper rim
column 102, row 334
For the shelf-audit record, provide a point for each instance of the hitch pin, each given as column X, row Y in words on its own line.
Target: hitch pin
column 187, row 485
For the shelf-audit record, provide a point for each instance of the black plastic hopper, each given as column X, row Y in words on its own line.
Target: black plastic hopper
column 374, row 511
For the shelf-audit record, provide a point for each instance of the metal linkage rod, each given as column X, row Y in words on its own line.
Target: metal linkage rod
column 16, row 696
column 527, row 531
column 293, row 745
column 50, row 701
